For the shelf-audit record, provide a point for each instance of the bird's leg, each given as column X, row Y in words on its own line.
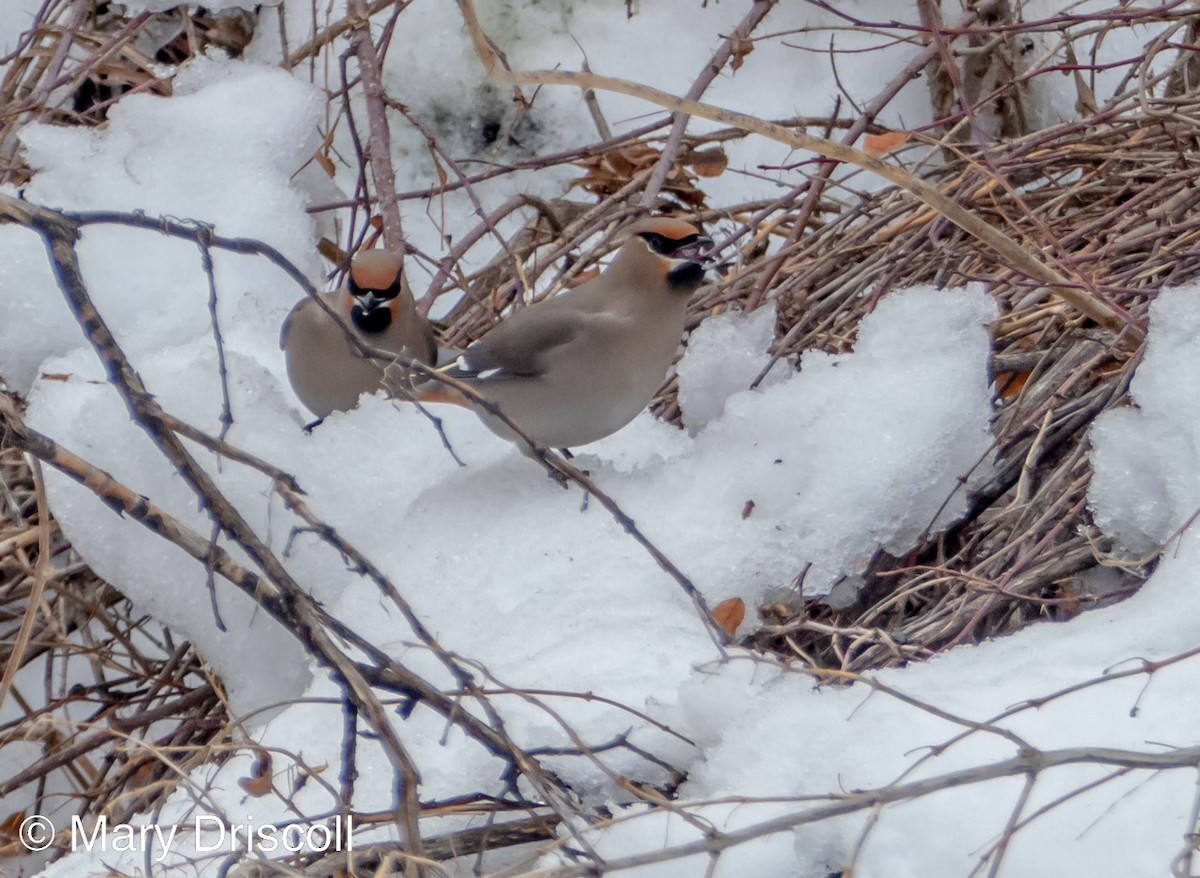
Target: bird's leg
column 583, row 504
column 308, row 428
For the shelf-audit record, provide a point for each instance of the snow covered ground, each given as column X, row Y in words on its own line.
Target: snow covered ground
column 849, row 453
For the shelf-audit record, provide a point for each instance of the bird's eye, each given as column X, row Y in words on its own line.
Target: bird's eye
column 656, row 242
column 666, row 246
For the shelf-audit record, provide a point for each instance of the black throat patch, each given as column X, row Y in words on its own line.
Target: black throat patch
column 686, row 277
column 371, row 322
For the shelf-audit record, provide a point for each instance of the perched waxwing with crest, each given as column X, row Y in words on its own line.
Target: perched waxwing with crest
column 577, row 367
column 327, row 372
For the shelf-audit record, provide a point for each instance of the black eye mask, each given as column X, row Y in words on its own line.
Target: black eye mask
column 386, row 294
column 688, row 247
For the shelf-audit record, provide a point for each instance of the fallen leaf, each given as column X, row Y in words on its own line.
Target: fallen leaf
column 1072, row 602
column 1111, row 368
column 143, row 775
column 325, row 162
column 606, row 174
column 708, row 162
column 10, row 826
column 305, row 774
column 332, row 251
column 729, row 614
column 879, row 144
column 741, row 48
column 1085, row 98
column 1012, row 383
column 259, row 781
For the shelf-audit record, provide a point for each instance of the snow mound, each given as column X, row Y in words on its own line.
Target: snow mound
column 164, row 156
column 766, row 733
column 1141, row 497
column 542, row 591
column 855, row 452
column 782, row 749
column 88, row 417
column 726, row 354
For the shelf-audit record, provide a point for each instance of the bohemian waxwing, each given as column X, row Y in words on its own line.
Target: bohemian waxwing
column 575, row 368
column 327, row 372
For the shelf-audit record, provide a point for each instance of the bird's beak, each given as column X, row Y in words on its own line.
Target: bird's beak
column 369, row 301
column 698, row 250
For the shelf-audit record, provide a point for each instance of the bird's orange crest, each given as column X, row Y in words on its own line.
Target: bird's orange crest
column 668, row 227
column 375, row 269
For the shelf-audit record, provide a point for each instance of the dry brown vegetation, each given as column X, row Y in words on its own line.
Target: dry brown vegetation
column 1108, row 202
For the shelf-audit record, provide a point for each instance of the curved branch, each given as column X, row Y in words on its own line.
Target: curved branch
column 1013, row 254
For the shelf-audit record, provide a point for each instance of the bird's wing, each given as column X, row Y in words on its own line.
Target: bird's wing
column 429, row 337
column 297, row 310
column 520, row 346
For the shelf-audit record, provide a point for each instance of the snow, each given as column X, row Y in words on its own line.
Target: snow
column 133, row 7
column 1142, row 499
column 18, row 21
column 770, row 735
column 577, row 595
column 206, row 153
column 726, row 356
column 853, row 452
column 841, row 454
column 88, row 416
column 842, row 739
column 437, row 74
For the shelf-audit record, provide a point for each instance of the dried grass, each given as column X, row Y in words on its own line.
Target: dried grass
column 1115, row 205
column 141, row 685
